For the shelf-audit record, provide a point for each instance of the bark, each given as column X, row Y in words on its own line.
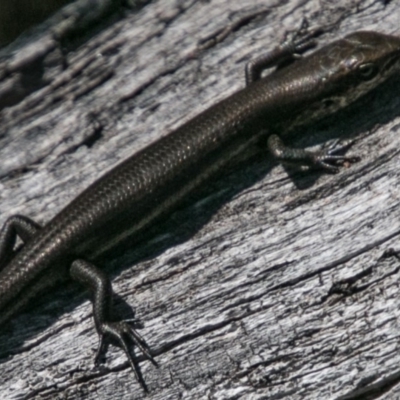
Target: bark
column 268, row 285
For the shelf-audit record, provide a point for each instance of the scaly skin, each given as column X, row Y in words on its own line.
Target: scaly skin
column 147, row 185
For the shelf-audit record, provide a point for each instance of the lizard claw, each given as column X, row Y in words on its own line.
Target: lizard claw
column 122, row 332
column 328, row 159
column 302, row 38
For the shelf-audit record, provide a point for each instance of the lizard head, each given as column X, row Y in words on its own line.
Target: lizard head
column 360, row 62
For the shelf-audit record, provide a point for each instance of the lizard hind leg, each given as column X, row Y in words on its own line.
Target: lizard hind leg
column 107, row 326
column 17, row 226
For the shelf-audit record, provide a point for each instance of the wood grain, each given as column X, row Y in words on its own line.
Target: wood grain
column 235, row 289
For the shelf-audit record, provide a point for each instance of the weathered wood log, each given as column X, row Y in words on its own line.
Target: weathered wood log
column 266, row 285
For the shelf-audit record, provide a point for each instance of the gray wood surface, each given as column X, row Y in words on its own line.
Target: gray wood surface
column 233, row 289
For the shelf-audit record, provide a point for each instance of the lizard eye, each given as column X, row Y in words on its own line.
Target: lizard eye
column 367, row 71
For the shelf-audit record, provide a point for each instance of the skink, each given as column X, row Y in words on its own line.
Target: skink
column 146, row 186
